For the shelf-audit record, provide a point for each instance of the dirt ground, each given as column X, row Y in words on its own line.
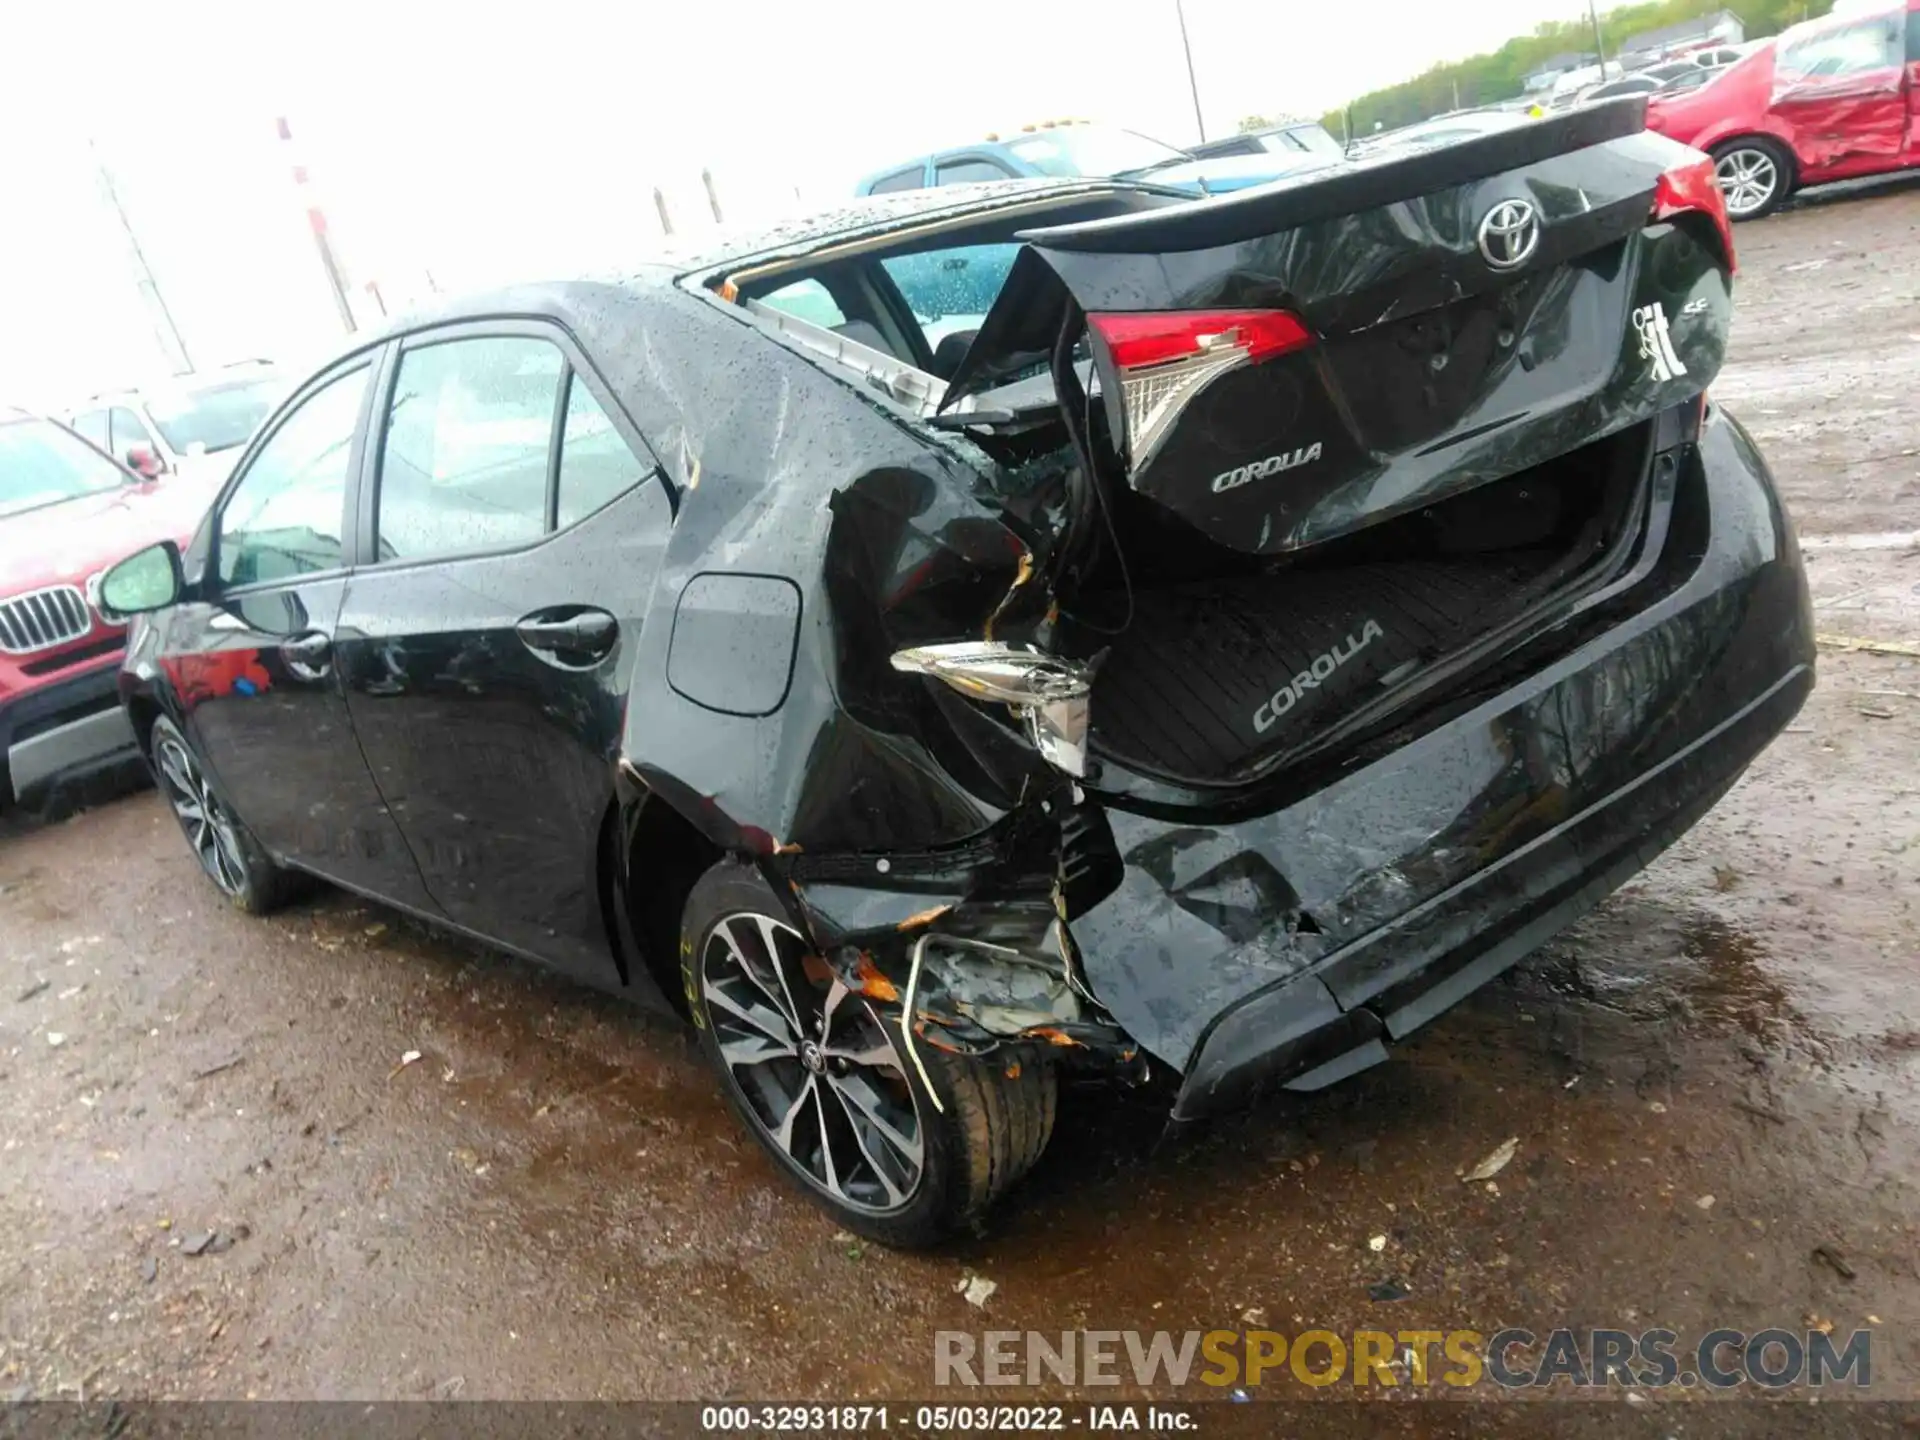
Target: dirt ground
column 1712, row 1080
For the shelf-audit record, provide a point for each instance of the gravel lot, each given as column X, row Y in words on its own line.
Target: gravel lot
column 1710, row 1079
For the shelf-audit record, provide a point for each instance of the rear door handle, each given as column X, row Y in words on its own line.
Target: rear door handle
column 309, row 655
column 589, row 634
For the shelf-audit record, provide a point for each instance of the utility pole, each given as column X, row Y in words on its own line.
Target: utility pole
column 713, row 197
column 1599, row 45
column 317, row 222
column 1192, row 83
column 165, row 331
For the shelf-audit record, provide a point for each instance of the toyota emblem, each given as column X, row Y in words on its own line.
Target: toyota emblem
column 1509, row 234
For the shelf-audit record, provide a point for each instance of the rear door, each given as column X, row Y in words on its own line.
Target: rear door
column 253, row 662
column 1843, row 92
column 509, row 542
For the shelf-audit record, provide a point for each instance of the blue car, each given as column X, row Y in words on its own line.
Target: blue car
column 1064, row 151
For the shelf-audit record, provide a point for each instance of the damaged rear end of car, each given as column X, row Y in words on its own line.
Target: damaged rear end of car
column 1289, row 610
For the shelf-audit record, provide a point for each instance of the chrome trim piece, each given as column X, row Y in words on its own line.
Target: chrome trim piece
column 1049, row 693
column 43, row 619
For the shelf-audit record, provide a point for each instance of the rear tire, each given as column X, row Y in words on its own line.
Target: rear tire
column 225, row 848
column 822, row 1079
column 1755, row 174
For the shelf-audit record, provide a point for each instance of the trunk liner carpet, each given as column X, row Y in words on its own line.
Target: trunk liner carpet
column 1212, row 677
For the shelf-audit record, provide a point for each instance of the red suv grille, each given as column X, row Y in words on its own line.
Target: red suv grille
column 42, row 619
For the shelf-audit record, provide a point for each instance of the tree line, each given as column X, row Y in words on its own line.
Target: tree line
column 1487, row 79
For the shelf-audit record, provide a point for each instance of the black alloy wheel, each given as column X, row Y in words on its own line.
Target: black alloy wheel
column 823, row 1079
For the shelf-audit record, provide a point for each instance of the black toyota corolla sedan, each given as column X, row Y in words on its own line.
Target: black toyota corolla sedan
column 989, row 632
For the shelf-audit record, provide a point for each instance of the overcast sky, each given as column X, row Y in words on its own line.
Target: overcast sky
column 481, row 142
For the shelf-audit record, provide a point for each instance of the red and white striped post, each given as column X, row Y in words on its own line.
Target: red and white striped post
column 317, row 222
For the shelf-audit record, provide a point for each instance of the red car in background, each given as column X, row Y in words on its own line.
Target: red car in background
column 1832, row 99
column 67, row 512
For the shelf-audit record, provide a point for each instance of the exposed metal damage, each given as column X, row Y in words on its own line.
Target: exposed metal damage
column 990, row 972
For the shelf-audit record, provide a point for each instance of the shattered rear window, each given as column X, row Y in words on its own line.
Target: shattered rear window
column 951, row 290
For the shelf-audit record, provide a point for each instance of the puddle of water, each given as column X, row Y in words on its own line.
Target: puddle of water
column 1732, row 985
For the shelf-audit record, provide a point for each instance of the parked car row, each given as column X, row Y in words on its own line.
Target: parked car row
column 1832, row 99
column 172, row 427
column 1081, row 150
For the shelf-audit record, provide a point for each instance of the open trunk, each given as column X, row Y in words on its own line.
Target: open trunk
column 1290, row 462
column 1339, row 437
column 1281, row 367
column 1214, row 680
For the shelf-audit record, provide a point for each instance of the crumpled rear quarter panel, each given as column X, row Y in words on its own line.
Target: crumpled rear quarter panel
column 783, row 471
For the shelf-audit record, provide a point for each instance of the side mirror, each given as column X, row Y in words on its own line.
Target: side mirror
column 146, row 580
column 143, row 462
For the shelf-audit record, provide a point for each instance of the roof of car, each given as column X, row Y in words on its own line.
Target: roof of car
column 581, row 302
column 793, row 235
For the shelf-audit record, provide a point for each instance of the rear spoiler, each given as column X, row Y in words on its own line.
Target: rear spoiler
column 1363, row 185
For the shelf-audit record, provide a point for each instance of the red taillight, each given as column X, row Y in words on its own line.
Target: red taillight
column 1695, row 187
column 1165, row 358
column 1152, row 339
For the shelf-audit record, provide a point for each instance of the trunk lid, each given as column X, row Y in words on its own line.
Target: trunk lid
column 1289, row 364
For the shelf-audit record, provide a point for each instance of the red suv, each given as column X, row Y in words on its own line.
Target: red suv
column 67, row 512
column 1828, row 100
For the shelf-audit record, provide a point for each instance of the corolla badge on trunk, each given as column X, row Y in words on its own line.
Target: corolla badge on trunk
column 1656, row 343
column 1509, row 234
column 1322, row 668
column 1233, row 479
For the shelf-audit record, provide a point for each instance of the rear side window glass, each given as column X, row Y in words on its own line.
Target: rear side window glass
column 807, row 300
column 965, row 172
column 596, row 466
column 463, row 466
column 284, row 517
column 1851, row 50
column 951, row 290
column 913, row 179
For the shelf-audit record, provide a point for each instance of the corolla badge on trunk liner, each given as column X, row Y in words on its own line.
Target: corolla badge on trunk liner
column 1259, row 470
column 1322, row 668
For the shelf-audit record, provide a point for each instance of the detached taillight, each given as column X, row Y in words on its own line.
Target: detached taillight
column 1165, row 358
column 1049, row 693
column 1695, row 187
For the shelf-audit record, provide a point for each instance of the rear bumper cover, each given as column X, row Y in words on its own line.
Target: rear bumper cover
column 64, row 730
column 1297, row 1034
